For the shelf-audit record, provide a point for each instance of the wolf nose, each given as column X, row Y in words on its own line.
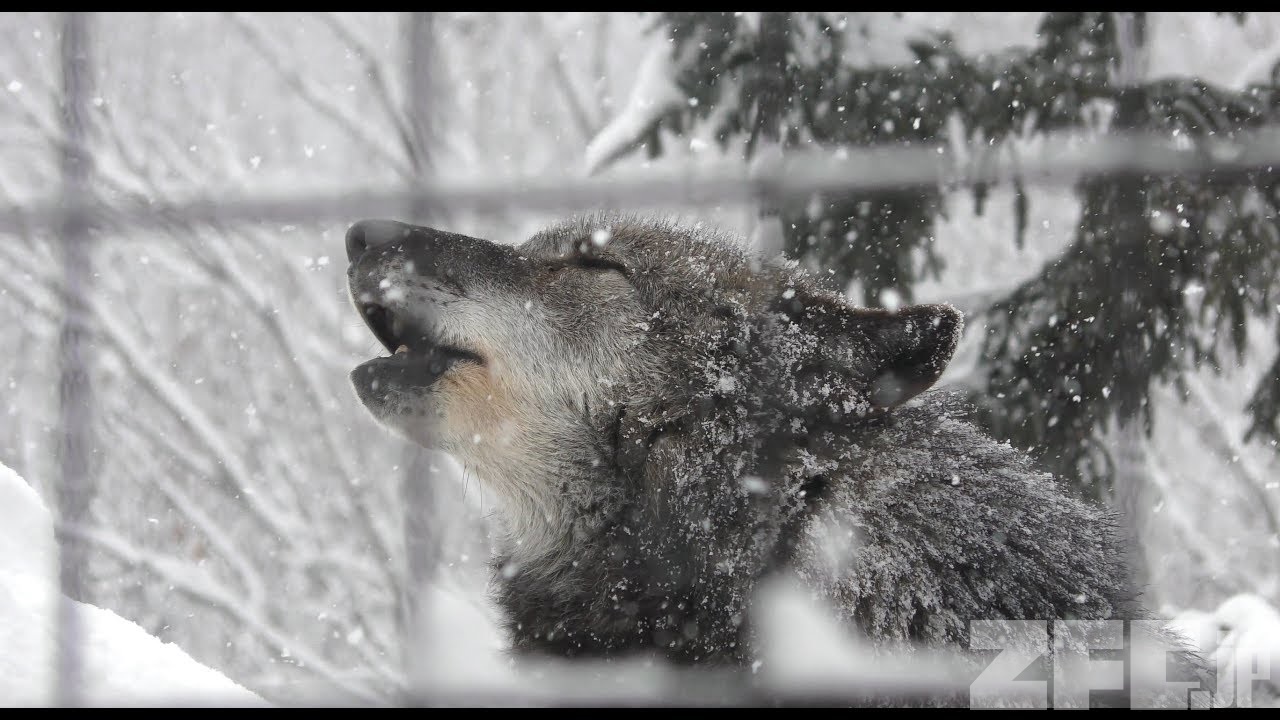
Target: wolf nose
column 368, row 234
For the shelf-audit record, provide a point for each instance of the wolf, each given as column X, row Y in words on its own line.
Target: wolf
column 667, row 419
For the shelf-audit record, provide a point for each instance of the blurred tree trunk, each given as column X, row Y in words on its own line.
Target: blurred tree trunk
column 1130, row 498
column 1129, row 208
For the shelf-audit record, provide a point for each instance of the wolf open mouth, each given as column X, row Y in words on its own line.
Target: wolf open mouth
column 407, row 340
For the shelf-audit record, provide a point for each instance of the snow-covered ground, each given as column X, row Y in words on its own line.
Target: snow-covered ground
column 122, row 664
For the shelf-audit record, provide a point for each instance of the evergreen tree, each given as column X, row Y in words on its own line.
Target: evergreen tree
column 1162, row 274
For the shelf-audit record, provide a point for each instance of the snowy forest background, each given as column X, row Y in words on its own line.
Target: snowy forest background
column 248, row 510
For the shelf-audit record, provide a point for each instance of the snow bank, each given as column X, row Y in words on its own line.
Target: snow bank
column 807, row 650
column 460, row 645
column 1249, row 652
column 122, row 664
column 1242, row 638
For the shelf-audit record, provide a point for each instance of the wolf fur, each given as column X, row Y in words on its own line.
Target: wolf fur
column 667, row 420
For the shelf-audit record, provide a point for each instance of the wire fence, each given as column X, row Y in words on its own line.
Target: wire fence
column 1058, row 159
column 75, row 487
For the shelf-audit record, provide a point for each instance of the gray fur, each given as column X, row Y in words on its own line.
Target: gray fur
column 675, row 420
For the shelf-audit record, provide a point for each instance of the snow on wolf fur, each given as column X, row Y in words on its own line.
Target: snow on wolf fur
column 668, row 420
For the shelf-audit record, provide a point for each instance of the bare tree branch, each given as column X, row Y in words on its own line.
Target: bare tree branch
column 356, row 127
column 170, row 394
column 1208, row 419
column 382, row 89
column 587, row 124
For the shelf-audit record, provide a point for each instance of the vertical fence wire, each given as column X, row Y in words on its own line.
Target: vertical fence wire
column 421, row 532
column 75, row 487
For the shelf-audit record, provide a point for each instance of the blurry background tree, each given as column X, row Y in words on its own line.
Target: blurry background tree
column 1164, row 275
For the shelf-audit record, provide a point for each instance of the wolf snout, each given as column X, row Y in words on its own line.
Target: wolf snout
column 369, row 234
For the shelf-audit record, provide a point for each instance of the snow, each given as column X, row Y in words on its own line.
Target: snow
column 460, row 646
column 788, row 627
column 1242, row 637
column 26, row 531
column 1250, row 648
column 122, row 664
column 804, row 647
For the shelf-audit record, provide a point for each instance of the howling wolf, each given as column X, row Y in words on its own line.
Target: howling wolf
column 667, row 420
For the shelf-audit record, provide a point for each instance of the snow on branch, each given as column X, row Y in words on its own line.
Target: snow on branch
column 654, row 93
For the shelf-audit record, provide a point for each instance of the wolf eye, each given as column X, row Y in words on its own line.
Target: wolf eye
column 598, row 263
column 589, row 262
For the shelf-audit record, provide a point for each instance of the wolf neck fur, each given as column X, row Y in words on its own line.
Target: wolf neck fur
column 539, row 510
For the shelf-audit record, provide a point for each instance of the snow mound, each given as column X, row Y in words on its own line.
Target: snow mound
column 460, row 646
column 26, row 530
column 1242, row 639
column 1249, row 653
column 806, row 648
column 121, row 663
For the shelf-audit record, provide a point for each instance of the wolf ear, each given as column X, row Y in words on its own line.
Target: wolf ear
column 862, row 360
column 907, row 349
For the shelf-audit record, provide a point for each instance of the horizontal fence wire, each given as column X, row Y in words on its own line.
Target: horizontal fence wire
column 1052, row 159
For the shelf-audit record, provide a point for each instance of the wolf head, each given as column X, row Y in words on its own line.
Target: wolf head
column 552, row 367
